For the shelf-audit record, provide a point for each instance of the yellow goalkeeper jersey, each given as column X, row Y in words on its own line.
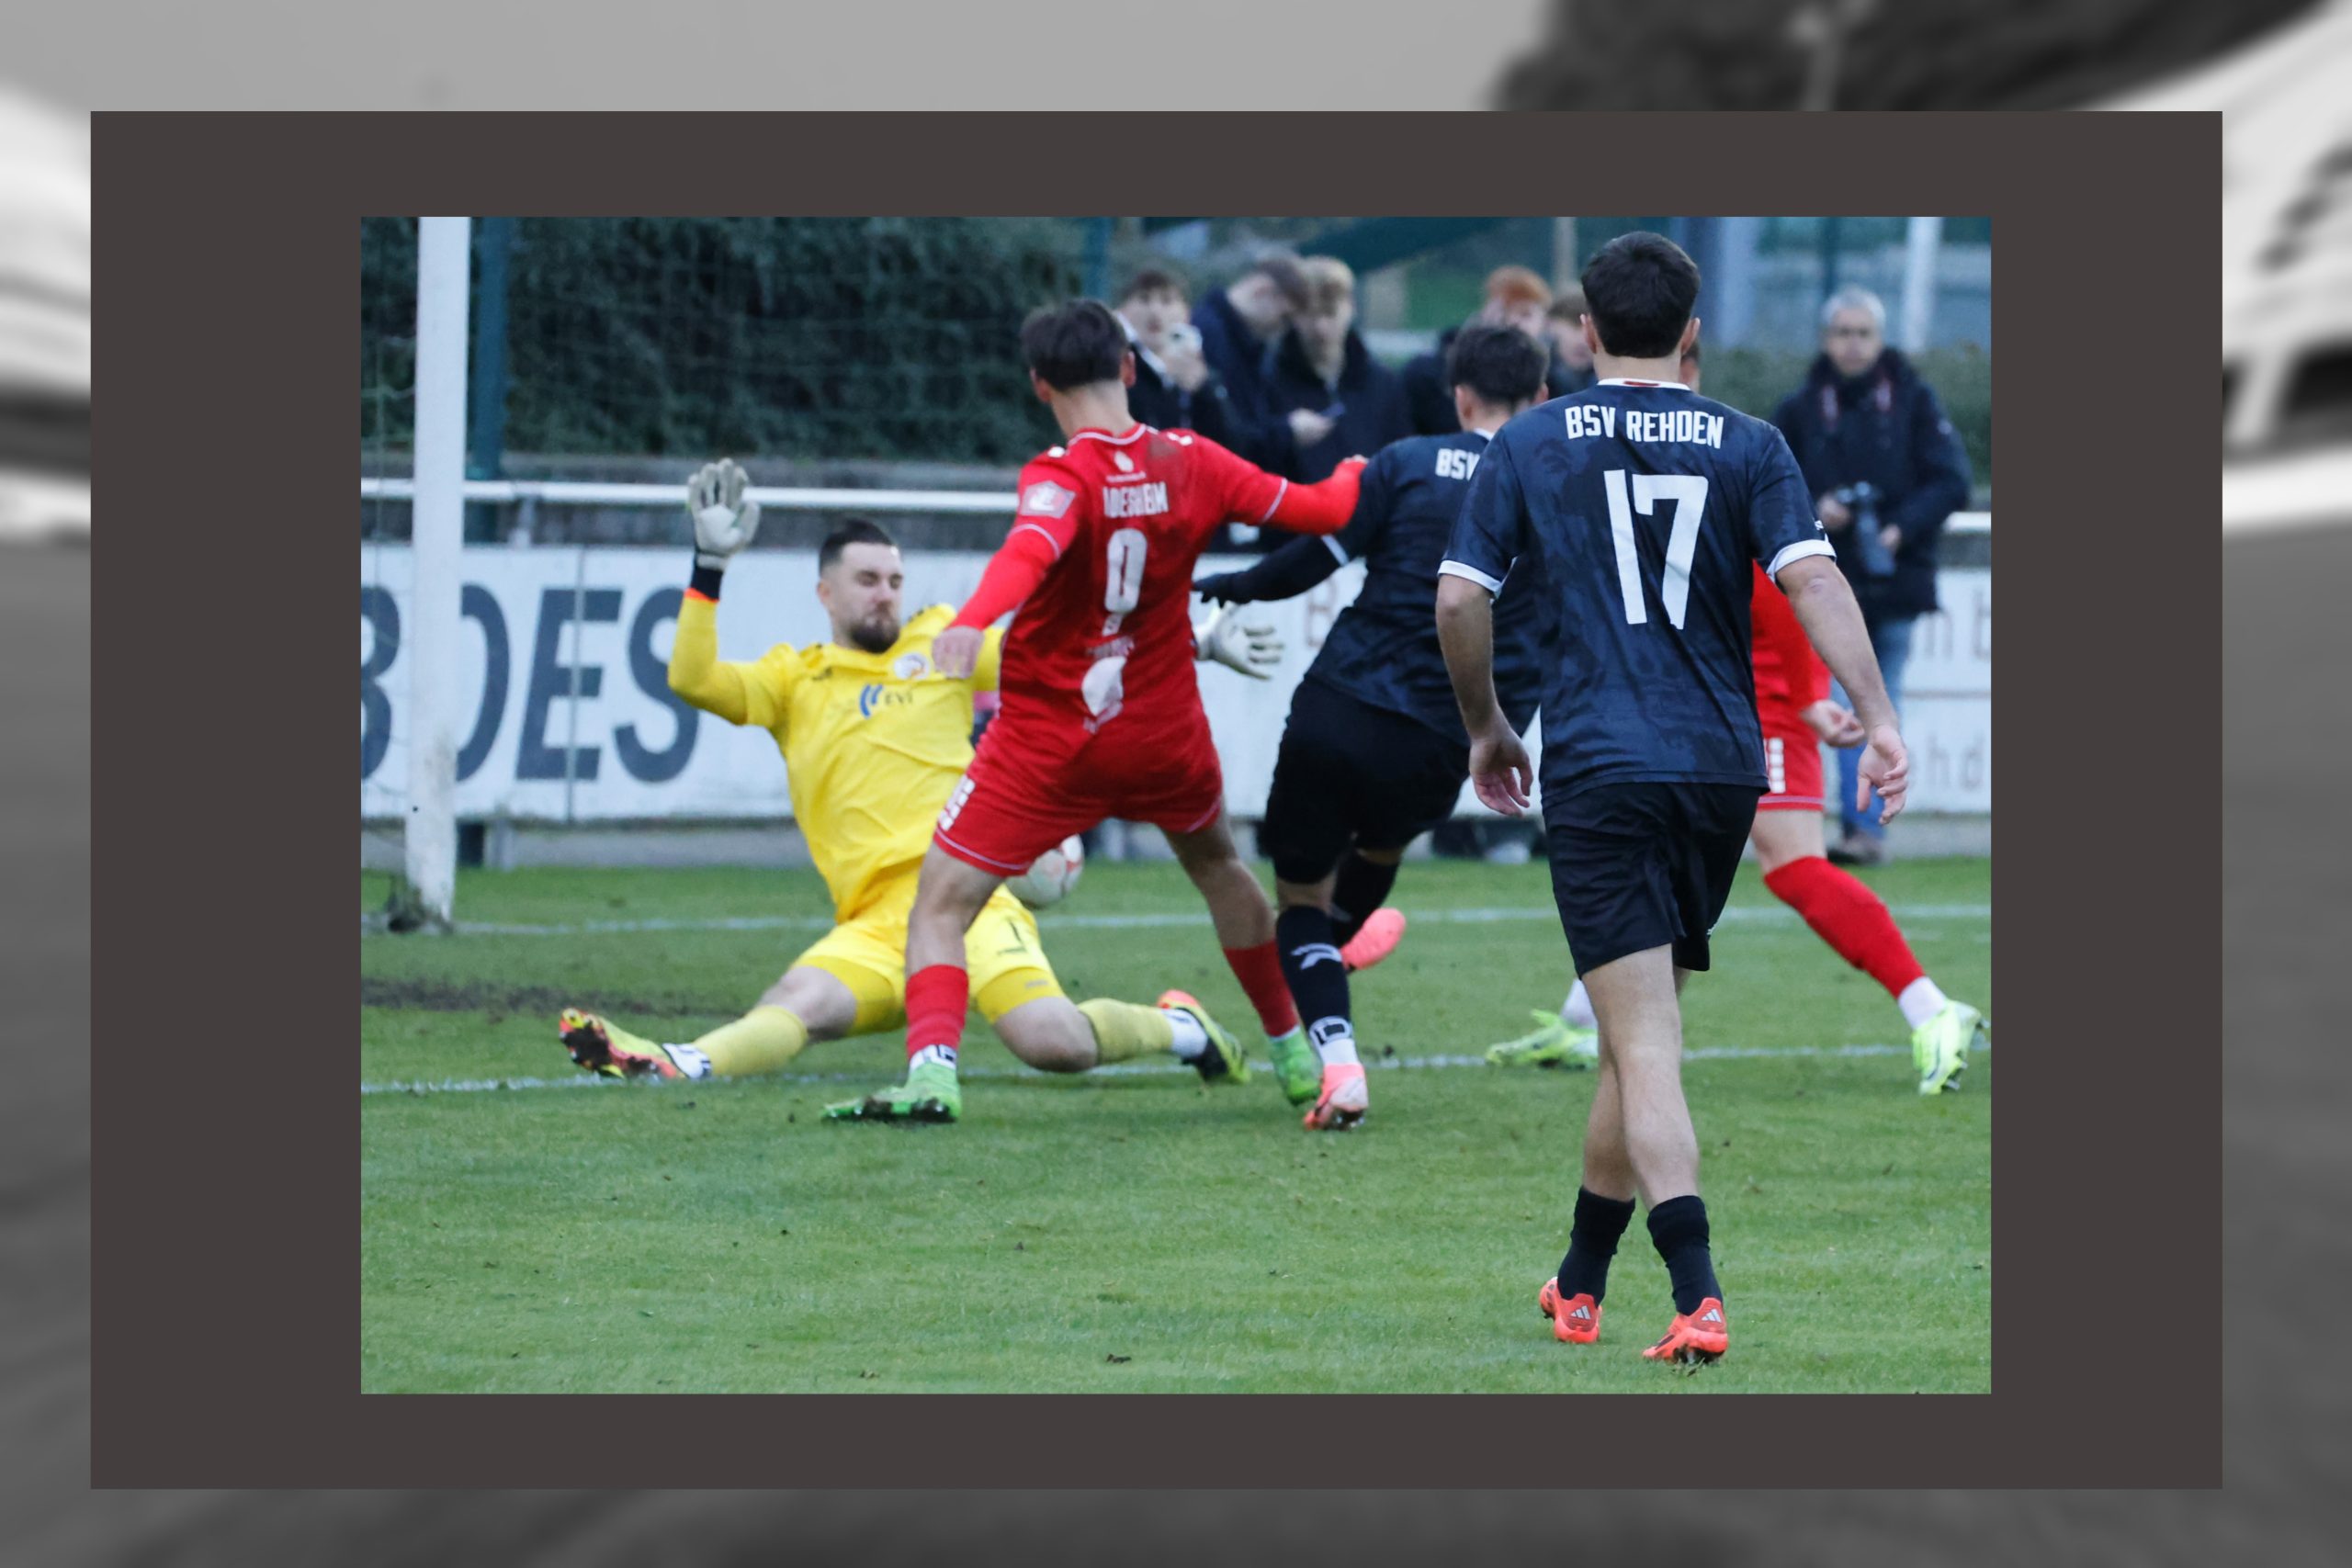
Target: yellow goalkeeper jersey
column 872, row 742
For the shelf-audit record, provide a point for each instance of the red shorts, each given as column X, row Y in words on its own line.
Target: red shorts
column 1008, row 809
column 1791, row 761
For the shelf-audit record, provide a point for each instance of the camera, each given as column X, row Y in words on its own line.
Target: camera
column 1870, row 552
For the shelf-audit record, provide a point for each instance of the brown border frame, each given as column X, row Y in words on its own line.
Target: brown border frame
column 224, row 1295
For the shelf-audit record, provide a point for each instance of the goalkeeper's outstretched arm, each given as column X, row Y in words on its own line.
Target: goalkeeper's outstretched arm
column 724, row 523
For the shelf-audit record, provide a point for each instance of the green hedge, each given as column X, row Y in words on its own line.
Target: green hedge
column 813, row 337
column 822, row 338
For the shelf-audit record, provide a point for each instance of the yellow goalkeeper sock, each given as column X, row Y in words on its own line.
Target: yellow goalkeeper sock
column 763, row 1040
column 1128, row 1030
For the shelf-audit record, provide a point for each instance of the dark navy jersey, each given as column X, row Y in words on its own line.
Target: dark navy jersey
column 1384, row 648
column 1643, row 504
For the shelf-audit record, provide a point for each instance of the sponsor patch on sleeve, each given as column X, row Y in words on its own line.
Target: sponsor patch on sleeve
column 1047, row 499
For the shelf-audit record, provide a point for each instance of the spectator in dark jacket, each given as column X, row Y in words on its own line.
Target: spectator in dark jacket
column 1864, row 417
column 1241, row 329
column 1515, row 296
column 1337, row 398
column 1174, row 387
column 1571, row 355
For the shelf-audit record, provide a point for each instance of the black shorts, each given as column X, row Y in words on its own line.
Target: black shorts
column 1642, row 865
column 1348, row 772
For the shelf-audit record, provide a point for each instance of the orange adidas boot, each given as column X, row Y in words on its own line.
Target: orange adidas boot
column 1575, row 1320
column 1695, row 1338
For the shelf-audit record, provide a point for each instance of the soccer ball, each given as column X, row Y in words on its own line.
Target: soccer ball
column 1050, row 879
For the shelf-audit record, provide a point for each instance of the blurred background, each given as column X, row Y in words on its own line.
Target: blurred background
column 44, row 320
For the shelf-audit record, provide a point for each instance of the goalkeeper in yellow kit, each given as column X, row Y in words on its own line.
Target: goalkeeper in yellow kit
column 874, row 739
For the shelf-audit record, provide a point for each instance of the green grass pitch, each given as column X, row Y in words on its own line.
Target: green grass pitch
column 1135, row 1230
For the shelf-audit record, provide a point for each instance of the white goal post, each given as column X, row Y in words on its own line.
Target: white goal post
column 429, row 849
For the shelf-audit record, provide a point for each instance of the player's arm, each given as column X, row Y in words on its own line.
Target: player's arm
column 1249, row 494
column 1787, row 539
column 1044, row 524
column 989, row 667
column 724, row 523
column 1478, row 557
column 1818, row 593
column 1291, row 571
column 1825, row 606
column 1780, row 636
column 1302, row 563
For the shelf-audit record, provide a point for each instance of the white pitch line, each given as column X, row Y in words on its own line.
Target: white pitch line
column 1743, row 915
column 585, row 1081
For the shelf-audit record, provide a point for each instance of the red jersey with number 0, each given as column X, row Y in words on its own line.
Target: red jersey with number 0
column 1105, row 643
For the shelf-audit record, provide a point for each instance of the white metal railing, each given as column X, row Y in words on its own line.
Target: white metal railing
column 588, row 492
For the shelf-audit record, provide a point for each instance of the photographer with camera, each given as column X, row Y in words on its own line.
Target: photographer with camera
column 1886, row 471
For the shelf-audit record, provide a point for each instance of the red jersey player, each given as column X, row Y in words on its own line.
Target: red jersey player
column 1101, row 712
column 1794, row 707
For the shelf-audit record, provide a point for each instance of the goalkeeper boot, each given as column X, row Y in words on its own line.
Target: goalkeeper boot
column 1575, row 1320
column 1554, row 1043
column 1223, row 1061
column 929, row 1094
column 1299, row 1067
column 598, row 1047
column 1343, row 1103
column 1375, row 940
column 1695, row 1338
column 1940, row 1047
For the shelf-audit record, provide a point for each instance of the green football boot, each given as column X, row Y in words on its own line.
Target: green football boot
column 1940, row 1047
column 1554, row 1043
column 1298, row 1066
column 929, row 1094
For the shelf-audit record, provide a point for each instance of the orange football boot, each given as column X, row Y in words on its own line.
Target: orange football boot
column 1343, row 1100
column 1695, row 1338
column 1575, row 1320
column 1375, row 940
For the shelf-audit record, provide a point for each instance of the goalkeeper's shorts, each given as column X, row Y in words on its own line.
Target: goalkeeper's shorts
column 867, row 952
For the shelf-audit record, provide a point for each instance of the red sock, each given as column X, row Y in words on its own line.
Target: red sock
column 1850, row 918
column 1259, row 970
column 936, row 996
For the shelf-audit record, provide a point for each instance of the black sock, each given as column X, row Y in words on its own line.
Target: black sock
column 1319, row 980
column 1361, row 886
column 1678, row 1230
column 1592, row 1241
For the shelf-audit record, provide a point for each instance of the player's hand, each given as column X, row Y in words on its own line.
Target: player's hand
column 1254, row 650
column 724, row 522
column 1833, row 512
column 1886, row 768
column 955, row 652
column 1221, row 588
column 1891, row 537
column 1308, row 427
column 1835, row 725
column 1501, row 772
